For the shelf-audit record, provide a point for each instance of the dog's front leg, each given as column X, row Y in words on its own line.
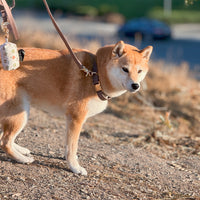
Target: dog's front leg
column 74, row 126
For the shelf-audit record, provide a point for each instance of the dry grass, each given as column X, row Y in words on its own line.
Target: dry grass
column 53, row 41
column 167, row 89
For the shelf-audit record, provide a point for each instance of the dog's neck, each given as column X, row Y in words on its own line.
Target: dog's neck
column 107, row 87
column 102, row 95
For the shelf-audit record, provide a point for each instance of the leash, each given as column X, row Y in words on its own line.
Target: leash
column 93, row 73
column 76, row 60
column 8, row 20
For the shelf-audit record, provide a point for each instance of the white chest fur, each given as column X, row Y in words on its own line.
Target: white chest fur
column 95, row 106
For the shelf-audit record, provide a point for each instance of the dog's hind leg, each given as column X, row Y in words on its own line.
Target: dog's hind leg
column 12, row 126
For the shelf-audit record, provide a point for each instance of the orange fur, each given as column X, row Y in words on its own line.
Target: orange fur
column 51, row 80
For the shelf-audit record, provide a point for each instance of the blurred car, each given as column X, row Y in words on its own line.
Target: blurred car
column 147, row 28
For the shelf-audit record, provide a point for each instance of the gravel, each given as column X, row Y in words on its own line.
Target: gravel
column 121, row 163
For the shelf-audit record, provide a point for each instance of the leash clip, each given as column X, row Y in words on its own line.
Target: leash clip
column 87, row 71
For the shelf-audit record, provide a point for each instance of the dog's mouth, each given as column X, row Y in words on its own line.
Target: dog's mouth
column 133, row 91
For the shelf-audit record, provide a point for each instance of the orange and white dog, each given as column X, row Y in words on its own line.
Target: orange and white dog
column 51, row 80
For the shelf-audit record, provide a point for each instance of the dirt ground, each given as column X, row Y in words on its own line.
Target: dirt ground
column 122, row 160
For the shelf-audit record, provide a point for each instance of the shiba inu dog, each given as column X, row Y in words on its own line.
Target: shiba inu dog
column 51, row 80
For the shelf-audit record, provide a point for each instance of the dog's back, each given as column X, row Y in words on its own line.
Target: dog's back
column 46, row 74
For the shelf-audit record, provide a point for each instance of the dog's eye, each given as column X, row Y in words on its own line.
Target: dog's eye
column 139, row 71
column 125, row 69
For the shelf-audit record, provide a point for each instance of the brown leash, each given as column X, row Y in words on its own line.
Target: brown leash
column 93, row 73
column 8, row 18
column 76, row 60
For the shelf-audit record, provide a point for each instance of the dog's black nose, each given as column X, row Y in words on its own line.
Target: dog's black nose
column 135, row 86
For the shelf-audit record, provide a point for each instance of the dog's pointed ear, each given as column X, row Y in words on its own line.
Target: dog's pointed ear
column 146, row 52
column 118, row 50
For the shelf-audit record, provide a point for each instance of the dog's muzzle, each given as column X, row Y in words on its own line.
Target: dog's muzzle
column 134, row 87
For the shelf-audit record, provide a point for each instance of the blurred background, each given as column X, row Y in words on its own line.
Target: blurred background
column 172, row 27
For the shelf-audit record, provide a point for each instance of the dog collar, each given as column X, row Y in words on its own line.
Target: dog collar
column 103, row 96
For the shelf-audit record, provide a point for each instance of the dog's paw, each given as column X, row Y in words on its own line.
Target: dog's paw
column 79, row 170
column 25, row 151
column 30, row 159
column 23, row 159
column 26, row 160
column 22, row 150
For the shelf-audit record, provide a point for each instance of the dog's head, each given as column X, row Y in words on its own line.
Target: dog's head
column 124, row 66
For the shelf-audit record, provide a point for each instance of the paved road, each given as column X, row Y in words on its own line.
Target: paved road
column 185, row 45
column 186, row 31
